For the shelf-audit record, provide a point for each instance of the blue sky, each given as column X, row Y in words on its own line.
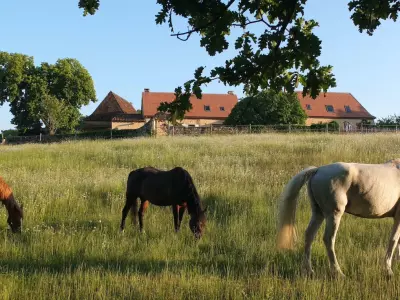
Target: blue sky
column 125, row 51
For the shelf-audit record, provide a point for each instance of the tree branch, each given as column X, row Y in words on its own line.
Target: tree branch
column 197, row 29
column 272, row 27
column 285, row 25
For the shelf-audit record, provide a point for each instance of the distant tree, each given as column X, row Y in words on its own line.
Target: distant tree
column 53, row 113
column 9, row 132
column 274, row 45
column 32, row 92
column 267, row 107
column 390, row 120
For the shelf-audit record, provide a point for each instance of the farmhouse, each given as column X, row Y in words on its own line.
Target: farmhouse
column 340, row 107
column 114, row 112
column 210, row 109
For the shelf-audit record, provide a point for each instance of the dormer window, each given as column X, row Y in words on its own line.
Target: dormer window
column 347, row 109
column 221, row 108
column 329, row 108
column 308, row 106
column 207, row 108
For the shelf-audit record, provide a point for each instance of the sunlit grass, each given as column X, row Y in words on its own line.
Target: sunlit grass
column 73, row 194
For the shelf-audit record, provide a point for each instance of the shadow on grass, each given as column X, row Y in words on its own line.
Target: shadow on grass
column 221, row 211
column 232, row 266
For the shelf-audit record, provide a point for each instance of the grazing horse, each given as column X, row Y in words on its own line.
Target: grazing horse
column 15, row 212
column 364, row 190
column 164, row 188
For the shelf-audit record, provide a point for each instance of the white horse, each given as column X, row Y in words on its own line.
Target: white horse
column 364, row 190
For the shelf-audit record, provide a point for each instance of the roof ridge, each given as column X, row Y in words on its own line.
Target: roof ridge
column 346, row 93
column 119, row 99
column 217, row 94
column 119, row 105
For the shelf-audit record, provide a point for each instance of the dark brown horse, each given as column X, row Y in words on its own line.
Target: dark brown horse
column 15, row 212
column 164, row 188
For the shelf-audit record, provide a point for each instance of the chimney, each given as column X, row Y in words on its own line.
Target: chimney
column 147, row 90
column 230, row 92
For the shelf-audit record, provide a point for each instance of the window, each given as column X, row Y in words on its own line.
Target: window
column 207, row 108
column 308, row 106
column 347, row 109
column 221, row 108
column 329, row 108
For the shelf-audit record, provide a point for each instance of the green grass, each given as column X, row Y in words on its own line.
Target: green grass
column 73, row 194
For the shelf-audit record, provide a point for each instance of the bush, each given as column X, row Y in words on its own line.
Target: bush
column 332, row 126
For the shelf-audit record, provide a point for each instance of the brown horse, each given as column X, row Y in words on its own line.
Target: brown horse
column 15, row 212
column 164, row 188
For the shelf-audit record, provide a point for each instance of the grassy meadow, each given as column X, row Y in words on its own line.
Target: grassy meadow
column 73, row 194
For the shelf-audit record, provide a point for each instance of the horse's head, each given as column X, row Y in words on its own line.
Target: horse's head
column 394, row 162
column 15, row 216
column 197, row 223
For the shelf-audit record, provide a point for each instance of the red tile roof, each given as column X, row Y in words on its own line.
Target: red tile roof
column 220, row 104
column 113, row 103
column 339, row 101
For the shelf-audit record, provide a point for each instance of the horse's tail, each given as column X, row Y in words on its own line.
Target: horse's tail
column 287, row 208
column 132, row 193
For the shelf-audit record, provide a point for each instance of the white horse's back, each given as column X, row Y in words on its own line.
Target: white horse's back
column 365, row 190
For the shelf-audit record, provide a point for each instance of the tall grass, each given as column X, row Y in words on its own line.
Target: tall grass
column 73, row 194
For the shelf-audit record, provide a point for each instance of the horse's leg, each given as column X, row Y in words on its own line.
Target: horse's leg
column 317, row 218
column 130, row 201
column 393, row 242
column 332, row 226
column 181, row 212
column 175, row 209
column 143, row 206
column 315, row 223
column 398, row 251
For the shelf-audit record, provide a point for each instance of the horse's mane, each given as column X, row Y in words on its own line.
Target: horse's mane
column 192, row 192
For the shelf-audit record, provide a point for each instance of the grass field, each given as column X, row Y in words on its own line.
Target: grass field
column 73, row 194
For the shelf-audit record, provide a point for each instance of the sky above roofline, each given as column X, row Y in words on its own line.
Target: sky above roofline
column 125, row 51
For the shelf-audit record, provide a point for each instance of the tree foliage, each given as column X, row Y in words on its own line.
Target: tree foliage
column 276, row 48
column 267, row 108
column 389, row 120
column 32, row 92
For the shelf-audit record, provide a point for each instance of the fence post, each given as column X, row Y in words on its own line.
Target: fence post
column 250, row 128
column 396, row 128
column 211, row 128
column 327, row 130
column 290, row 128
column 173, row 130
column 40, row 137
column 111, row 133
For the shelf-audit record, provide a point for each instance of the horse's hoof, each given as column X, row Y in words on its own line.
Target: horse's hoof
column 390, row 273
column 308, row 272
column 338, row 274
